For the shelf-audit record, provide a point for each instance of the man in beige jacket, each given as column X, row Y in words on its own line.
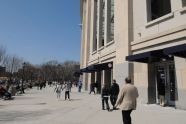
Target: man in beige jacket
column 127, row 100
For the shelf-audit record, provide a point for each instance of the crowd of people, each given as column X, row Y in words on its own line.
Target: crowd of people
column 9, row 88
column 66, row 86
column 124, row 98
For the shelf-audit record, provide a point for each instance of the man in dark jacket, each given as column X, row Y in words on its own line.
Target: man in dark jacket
column 92, row 88
column 114, row 91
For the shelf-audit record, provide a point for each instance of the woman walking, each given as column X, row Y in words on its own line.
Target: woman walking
column 58, row 89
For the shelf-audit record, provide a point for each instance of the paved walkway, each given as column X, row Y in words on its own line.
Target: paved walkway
column 42, row 107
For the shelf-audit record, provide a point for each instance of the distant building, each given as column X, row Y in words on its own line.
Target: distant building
column 3, row 73
column 2, row 69
column 143, row 39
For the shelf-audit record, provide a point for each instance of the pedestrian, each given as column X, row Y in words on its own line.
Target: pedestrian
column 22, row 87
column 67, row 87
column 161, row 92
column 105, row 97
column 92, row 88
column 40, row 85
column 37, row 84
column 70, row 85
column 4, row 93
column 114, row 91
column 127, row 100
column 58, row 89
column 98, row 87
column 80, row 85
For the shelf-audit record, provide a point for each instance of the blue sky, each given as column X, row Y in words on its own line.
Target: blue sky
column 41, row 30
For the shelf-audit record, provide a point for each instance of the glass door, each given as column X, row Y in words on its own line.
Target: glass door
column 165, row 80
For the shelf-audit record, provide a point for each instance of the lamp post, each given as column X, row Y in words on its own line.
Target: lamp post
column 23, row 78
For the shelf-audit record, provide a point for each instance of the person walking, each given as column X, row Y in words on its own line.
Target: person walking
column 92, row 88
column 67, row 87
column 127, row 100
column 80, row 85
column 105, row 97
column 114, row 91
column 58, row 89
column 98, row 87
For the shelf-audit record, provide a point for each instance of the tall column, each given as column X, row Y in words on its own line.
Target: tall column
column 103, row 77
column 85, row 38
column 93, row 27
column 96, row 76
column 99, row 23
column 84, row 43
column 176, row 5
column 87, row 31
column 123, row 34
column 83, row 35
column 107, row 20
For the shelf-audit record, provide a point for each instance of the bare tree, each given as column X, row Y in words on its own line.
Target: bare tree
column 49, row 70
column 12, row 63
column 69, row 68
column 54, row 70
column 2, row 54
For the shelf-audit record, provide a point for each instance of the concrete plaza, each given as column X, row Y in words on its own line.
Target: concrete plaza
column 42, row 107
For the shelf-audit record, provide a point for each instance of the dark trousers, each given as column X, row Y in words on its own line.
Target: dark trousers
column 126, row 116
column 67, row 94
column 79, row 89
column 92, row 91
column 113, row 100
column 105, row 101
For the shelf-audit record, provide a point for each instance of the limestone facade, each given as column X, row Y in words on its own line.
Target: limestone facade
column 113, row 30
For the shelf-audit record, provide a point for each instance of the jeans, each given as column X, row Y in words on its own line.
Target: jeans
column 105, row 101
